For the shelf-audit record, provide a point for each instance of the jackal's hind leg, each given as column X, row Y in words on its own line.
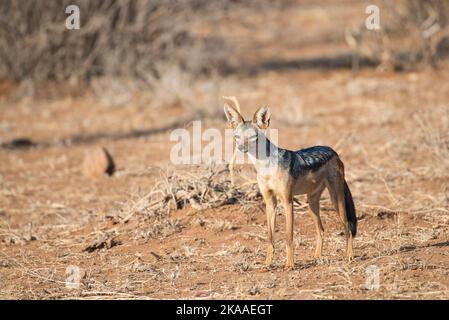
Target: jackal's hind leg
column 336, row 192
column 314, row 212
column 343, row 217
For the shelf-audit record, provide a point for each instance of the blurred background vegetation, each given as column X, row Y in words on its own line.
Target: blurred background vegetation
column 161, row 45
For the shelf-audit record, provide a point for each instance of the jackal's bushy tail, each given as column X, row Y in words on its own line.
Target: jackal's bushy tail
column 350, row 210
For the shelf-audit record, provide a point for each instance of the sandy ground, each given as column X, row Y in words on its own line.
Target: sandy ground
column 389, row 129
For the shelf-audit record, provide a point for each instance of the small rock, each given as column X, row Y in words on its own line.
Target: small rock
column 97, row 163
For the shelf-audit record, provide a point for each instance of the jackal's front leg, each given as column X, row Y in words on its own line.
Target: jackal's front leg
column 270, row 202
column 288, row 206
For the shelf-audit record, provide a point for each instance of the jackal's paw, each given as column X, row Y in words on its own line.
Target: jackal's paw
column 268, row 261
column 289, row 265
column 269, row 258
column 268, row 268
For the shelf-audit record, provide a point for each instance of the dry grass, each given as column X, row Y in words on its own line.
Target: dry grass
column 205, row 189
column 436, row 137
column 157, row 231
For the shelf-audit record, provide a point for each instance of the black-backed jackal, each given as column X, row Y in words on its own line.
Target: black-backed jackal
column 284, row 173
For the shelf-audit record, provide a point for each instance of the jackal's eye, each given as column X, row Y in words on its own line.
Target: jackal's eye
column 237, row 137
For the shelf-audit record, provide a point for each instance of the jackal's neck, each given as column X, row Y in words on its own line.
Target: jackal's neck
column 266, row 153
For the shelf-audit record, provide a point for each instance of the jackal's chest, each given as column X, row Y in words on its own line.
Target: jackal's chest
column 275, row 179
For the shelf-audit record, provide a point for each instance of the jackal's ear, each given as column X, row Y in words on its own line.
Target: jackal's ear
column 262, row 117
column 234, row 117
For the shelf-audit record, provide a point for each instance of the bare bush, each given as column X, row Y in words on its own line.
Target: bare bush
column 133, row 38
column 436, row 138
column 411, row 31
column 209, row 188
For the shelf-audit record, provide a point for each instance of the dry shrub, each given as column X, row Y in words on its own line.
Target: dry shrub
column 411, row 31
column 204, row 189
column 436, row 138
column 210, row 188
column 156, row 50
column 117, row 38
column 207, row 188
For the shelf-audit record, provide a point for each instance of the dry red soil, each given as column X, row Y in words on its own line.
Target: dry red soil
column 389, row 129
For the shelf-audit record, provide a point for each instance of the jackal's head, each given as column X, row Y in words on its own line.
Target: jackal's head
column 247, row 134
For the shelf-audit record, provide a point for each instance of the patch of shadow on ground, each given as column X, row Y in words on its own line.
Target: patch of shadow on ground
column 24, row 143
